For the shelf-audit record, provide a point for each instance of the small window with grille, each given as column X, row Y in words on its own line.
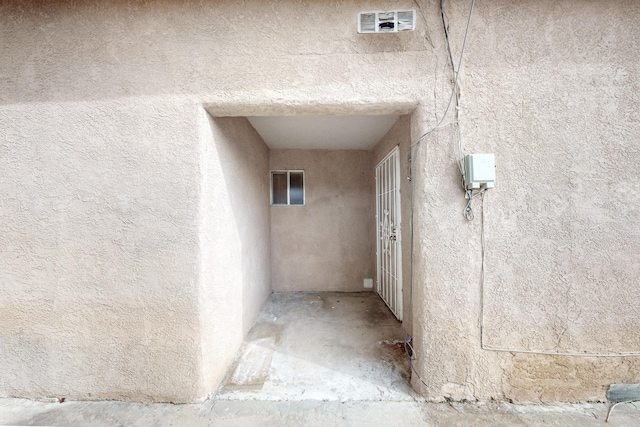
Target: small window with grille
column 287, row 188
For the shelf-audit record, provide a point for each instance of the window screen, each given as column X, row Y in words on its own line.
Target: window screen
column 296, row 188
column 279, row 188
column 287, row 188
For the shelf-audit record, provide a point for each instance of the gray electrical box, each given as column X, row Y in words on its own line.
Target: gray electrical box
column 479, row 171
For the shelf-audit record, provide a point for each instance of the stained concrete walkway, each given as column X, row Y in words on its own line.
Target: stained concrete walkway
column 311, row 413
column 322, row 346
column 326, row 359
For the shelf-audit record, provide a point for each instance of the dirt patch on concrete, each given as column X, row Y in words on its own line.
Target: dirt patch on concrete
column 393, row 352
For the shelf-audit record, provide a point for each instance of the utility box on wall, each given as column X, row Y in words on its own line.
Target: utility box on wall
column 479, row 171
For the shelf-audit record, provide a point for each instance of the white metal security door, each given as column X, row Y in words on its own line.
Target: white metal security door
column 389, row 253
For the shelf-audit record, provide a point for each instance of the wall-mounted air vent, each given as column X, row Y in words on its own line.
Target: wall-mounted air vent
column 387, row 22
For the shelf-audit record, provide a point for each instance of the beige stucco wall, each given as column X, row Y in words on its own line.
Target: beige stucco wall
column 552, row 89
column 235, row 275
column 98, row 250
column 104, row 168
column 327, row 244
column 104, row 172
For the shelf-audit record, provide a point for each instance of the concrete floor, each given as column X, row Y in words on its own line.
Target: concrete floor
column 316, row 360
column 311, row 413
column 322, row 346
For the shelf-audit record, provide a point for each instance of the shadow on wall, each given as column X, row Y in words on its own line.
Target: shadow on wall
column 244, row 162
column 234, row 239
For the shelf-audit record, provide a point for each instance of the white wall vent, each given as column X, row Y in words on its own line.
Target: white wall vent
column 387, row 22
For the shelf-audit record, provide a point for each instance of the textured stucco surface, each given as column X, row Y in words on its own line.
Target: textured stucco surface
column 221, row 51
column 104, row 269
column 563, row 199
column 98, row 250
column 327, row 244
column 235, row 278
column 106, row 186
column 551, row 89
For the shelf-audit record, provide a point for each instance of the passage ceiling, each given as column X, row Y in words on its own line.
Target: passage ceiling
column 323, row 132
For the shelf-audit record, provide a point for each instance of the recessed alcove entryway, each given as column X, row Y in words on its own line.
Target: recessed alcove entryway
column 322, row 330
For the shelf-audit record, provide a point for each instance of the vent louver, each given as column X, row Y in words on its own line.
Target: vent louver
column 386, row 22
